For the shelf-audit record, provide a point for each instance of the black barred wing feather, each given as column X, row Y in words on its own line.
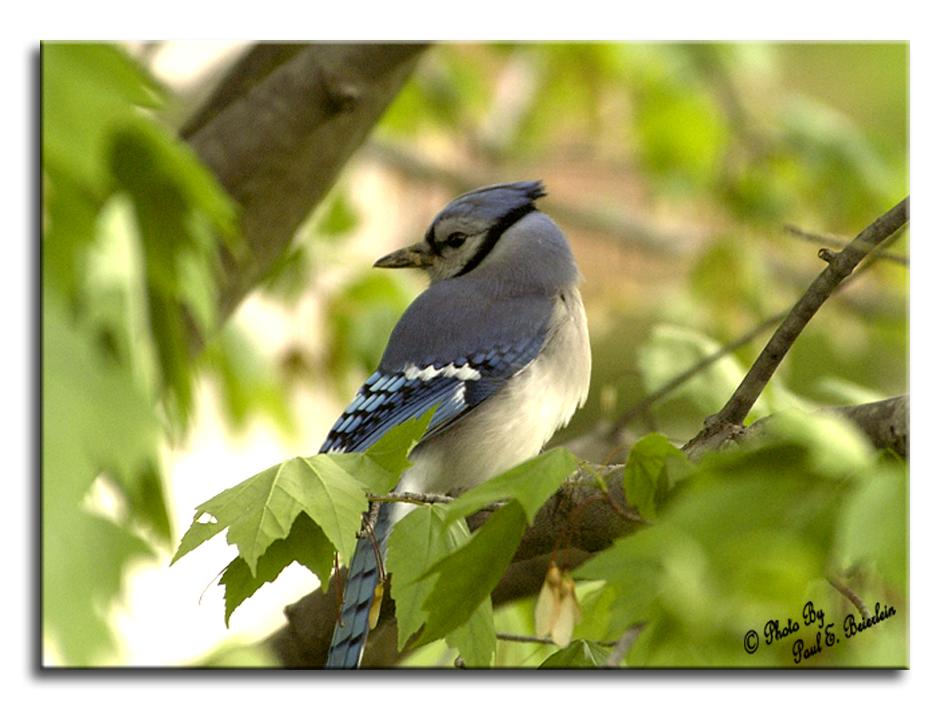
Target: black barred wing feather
column 389, row 398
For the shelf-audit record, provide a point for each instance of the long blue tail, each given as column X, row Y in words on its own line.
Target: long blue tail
column 349, row 636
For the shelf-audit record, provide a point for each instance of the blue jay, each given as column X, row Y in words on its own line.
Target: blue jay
column 498, row 342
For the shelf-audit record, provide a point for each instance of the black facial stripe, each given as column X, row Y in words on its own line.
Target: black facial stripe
column 494, row 234
column 430, row 239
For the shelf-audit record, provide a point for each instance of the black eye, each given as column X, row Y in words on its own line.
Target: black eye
column 455, row 240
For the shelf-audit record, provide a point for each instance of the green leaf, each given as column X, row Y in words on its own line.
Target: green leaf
column 146, row 158
column 144, row 493
column 530, row 484
column 305, row 544
column 475, row 639
column 416, row 544
column 180, row 211
column 872, row 529
column 633, row 570
column 654, row 466
column 392, row 450
column 70, row 228
column 373, row 478
column 833, row 445
column 338, row 218
column 248, row 382
column 84, row 561
column 596, row 621
column 467, row 576
column 360, row 317
column 262, row 509
column 746, row 536
column 88, row 90
column 579, row 654
column 379, row 468
column 89, row 403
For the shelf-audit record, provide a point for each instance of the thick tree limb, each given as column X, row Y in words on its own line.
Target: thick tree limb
column 884, row 423
column 278, row 131
column 728, row 421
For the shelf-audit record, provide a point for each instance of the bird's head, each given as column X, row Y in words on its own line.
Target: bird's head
column 466, row 230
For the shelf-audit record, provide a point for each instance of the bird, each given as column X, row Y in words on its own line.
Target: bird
column 498, row 344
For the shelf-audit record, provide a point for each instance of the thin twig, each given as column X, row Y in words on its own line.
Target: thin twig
column 647, row 402
column 619, row 510
column 850, row 595
column 623, row 646
column 719, row 426
column 838, row 242
column 627, row 515
column 520, row 638
column 415, row 498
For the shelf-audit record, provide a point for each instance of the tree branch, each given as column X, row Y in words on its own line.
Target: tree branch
column 520, row 638
column 850, row 595
column 722, row 425
column 623, row 646
column 828, row 239
column 884, row 423
column 279, row 129
column 415, row 498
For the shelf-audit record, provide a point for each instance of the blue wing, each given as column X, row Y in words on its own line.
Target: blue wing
column 390, row 397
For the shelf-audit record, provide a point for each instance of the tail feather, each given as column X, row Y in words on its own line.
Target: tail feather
column 349, row 636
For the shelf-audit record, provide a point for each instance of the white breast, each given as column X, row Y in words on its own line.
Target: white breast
column 516, row 422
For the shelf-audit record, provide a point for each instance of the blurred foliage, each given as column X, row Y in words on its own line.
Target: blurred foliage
column 133, row 225
column 697, row 120
column 247, row 383
column 360, row 317
column 748, row 538
column 725, row 141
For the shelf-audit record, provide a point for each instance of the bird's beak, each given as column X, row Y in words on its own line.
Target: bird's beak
column 417, row 256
